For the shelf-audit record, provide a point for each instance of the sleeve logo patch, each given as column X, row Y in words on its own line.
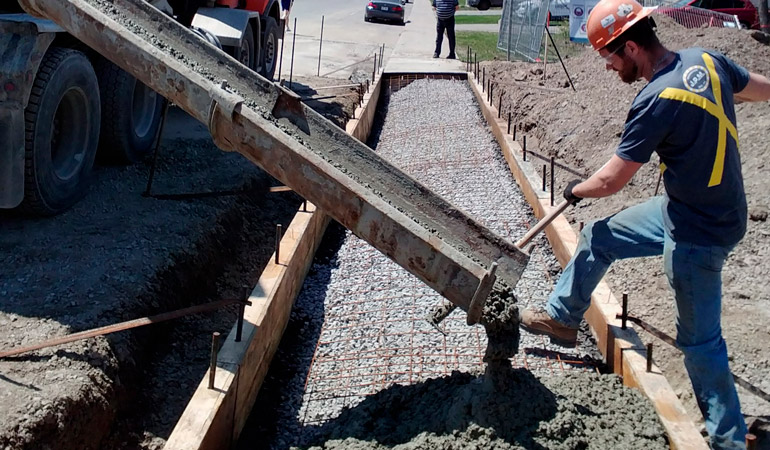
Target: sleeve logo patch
column 696, row 79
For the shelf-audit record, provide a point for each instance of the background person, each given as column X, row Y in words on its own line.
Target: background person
column 686, row 115
column 445, row 20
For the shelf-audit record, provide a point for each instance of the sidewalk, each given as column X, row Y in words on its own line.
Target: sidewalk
column 413, row 52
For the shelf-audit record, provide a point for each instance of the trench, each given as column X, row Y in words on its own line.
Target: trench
column 360, row 365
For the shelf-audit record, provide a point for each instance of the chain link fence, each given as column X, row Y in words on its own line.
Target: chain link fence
column 521, row 28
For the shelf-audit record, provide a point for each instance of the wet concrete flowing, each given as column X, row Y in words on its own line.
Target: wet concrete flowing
column 461, row 411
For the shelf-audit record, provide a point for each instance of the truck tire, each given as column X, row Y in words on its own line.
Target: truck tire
column 131, row 115
column 61, row 124
column 268, row 56
column 245, row 53
column 484, row 5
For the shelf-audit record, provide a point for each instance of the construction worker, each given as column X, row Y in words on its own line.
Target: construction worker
column 685, row 113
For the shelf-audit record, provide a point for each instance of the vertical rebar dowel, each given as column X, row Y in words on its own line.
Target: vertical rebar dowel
column 524, row 147
column 509, row 122
column 156, row 152
column 751, row 441
column 624, row 312
column 476, row 59
column 500, row 104
column 367, row 86
column 213, row 364
column 280, row 61
column 320, row 45
column 278, row 236
column 304, row 206
column 491, row 87
column 483, row 78
column 468, row 60
column 374, row 71
column 649, row 357
column 382, row 55
column 293, row 41
column 553, row 176
column 544, row 172
column 239, row 328
column 514, row 132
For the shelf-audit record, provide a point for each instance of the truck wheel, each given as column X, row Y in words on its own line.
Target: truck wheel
column 245, row 53
column 131, row 115
column 484, row 5
column 269, row 54
column 61, row 125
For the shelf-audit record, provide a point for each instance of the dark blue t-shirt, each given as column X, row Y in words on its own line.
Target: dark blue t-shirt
column 678, row 116
column 445, row 9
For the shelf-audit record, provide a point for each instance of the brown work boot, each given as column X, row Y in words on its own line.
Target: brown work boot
column 537, row 321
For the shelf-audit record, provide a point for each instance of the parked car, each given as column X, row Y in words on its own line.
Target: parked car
column 558, row 8
column 390, row 10
column 745, row 11
column 484, row 4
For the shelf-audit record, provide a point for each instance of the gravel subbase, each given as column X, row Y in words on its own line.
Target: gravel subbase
column 360, row 366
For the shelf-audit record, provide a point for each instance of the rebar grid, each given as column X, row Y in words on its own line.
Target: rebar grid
column 375, row 333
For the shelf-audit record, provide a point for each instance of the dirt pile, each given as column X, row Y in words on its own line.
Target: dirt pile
column 582, row 129
column 461, row 411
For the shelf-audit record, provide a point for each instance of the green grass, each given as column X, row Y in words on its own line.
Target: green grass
column 484, row 44
column 467, row 19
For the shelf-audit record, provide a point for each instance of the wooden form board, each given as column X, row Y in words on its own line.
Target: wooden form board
column 623, row 349
column 214, row 418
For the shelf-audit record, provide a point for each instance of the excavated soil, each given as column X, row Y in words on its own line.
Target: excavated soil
column 581, row 130
column 116, row 256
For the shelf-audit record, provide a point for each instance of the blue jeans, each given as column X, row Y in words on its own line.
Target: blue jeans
column 694, row 274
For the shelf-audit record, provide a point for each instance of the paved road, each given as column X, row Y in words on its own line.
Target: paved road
column 348, row 41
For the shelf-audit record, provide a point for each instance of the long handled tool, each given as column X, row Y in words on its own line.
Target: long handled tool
column 477, row 303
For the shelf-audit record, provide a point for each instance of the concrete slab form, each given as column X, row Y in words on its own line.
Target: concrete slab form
column 623, row 350
column 213, row 417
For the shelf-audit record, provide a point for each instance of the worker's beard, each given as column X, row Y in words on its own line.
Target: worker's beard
column 629, row 73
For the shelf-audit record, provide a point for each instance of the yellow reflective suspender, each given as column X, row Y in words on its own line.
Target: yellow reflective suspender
column 716, row 109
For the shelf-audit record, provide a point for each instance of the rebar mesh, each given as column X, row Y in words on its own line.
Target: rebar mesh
column 374, row 331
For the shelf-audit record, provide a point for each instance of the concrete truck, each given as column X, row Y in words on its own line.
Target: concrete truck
column 61, row 102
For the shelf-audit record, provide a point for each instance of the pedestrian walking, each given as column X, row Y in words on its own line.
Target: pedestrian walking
column 445, row 20
column 685, row 114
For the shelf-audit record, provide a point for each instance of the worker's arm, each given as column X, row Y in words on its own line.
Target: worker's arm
column 757, row 89
column 608, row 180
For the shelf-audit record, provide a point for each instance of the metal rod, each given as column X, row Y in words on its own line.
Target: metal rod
column 524, row 147
column 657, row 185
column 278, row 236
column 514, row 132
column 148, row 190
column 374, row 70
column 483, row 77
column 544, row 172
column 320, row 45
column 280, row 61
column 751, row 441
column 239, row 327
column 101, row 331
column 560, row 60
column 500, row 105
column 476, row 59
column 553, row 179
column 382, row 56
column 367, row 86
column 649, row 357
column 213, row 363
column 304, row 206
column 293, row 41
column 624, row 317
column 544, row 222
column 509, row 122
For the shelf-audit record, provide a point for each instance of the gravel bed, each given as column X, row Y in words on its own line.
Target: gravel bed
column 358, row 326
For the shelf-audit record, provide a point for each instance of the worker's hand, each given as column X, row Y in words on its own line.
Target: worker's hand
column 568, row 195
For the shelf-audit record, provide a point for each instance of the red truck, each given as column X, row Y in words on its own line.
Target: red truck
column 60, row 101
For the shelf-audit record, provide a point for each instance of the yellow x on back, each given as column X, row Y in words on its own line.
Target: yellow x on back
column 716, row 110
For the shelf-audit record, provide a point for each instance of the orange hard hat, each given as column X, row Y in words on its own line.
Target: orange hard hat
column 611, row 18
